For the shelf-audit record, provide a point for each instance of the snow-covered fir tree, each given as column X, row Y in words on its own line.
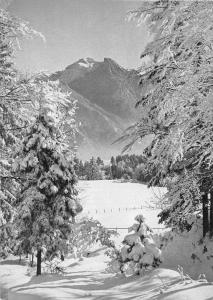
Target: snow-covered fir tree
column 48, row 198
column 139, row 252
column 93, row 170
column 13, row 119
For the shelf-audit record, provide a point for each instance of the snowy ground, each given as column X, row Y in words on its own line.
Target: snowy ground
column 88, row 279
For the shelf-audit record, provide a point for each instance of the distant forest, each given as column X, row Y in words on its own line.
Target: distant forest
column 127, row 167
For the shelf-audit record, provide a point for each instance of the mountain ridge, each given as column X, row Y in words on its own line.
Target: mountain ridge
column 106, row 94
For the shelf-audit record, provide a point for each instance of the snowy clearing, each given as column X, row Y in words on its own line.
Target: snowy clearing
column 116, row 203
column 88, row 279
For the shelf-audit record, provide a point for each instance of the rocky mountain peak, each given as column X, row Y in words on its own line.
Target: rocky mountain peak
column 87, row 63
column 106, row 95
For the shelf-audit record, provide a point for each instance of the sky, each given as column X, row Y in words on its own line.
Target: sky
column 76, row 29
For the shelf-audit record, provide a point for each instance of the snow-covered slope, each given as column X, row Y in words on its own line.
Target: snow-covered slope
column 97, row 129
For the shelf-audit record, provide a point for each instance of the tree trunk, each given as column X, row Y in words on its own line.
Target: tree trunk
column 38, row 262
column 205, row 214
column 211, row 214
column 62, row 257
column 32, row 259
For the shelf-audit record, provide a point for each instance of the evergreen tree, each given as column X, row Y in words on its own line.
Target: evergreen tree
column 120, row 169
column 48, row 198
column 107, row 172
column 81, row 169
column 13, row 119
column 113, row 168
column 112, row 160
column 76, row 165
column 99, row 161
column 92, row 170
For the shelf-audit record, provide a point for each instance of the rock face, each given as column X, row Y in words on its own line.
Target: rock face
column 106, row 95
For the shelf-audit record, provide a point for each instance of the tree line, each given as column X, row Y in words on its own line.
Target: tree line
column 127, row 167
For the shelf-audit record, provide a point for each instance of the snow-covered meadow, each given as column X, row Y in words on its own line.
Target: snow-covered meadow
column 115, row 204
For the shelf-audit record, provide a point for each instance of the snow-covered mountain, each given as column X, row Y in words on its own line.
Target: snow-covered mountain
column 106, row 95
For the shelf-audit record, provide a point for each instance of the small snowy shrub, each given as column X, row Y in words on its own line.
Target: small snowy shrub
column 184, row 277
column 54, row 267
column 86, row 233
column 139, row 252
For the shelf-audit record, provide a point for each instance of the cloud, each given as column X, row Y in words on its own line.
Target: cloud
column 5, row 3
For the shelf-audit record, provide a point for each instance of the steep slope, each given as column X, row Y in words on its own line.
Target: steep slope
column 104, row 83
column 97, row 129
column 106, row 95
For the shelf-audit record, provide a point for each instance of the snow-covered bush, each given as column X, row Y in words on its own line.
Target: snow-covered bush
column 139, row 252
column 88, row 232
column 54, row 267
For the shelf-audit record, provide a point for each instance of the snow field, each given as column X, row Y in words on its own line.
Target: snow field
column 115, row 204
